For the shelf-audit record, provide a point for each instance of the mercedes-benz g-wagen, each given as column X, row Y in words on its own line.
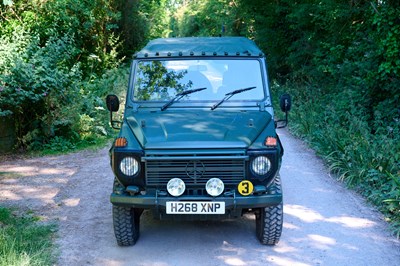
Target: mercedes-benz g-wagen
column 198, row 139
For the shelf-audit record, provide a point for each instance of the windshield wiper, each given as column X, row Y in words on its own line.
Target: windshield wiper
column 179, row 96
column 229, row 95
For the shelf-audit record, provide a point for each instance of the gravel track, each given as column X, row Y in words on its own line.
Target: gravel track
column 324, row 223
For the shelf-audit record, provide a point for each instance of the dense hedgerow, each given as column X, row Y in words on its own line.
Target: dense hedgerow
column 58, row 60
column 347, row 99
column 336, row 127
column 50, row 99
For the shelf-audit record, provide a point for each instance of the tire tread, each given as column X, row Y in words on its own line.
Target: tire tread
column 126, row 225
column 269, row 220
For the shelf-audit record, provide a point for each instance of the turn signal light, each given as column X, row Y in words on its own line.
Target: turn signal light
column 270, row 141
column 121, row 142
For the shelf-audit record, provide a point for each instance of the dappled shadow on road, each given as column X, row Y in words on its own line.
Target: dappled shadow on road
column 71, row 190
column 33, row 183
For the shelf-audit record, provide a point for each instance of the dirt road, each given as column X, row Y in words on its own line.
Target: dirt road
column 324, row 224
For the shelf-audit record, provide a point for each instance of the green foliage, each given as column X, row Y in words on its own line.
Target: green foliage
column 24, row 241
column 58, row 60
column 208, row 18
column 140, row 22
column 59, row 144
column 338, row 129
column 90, row 24
column 38, row 86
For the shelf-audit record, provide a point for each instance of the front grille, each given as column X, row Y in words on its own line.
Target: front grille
column 195, row 172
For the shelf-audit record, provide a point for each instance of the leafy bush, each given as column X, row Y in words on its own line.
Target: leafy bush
column 38, row 88
column 54, row 70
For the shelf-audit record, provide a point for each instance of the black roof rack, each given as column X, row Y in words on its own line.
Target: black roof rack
column 200, row 46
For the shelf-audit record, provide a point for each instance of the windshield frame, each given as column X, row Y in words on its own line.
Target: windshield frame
column 231, row 103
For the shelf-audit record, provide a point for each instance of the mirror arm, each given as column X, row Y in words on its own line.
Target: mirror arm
column 286, row 118
column 283, row 120
column 112, row 122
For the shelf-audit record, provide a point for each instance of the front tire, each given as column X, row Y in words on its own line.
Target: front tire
column 269, row 221
column 126, row 225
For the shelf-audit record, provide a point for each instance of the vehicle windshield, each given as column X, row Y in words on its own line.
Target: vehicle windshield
column 162, row 80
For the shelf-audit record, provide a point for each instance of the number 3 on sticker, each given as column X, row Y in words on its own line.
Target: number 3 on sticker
column 245, row 187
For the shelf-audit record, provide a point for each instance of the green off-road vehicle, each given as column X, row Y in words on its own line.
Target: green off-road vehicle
column 198, row 140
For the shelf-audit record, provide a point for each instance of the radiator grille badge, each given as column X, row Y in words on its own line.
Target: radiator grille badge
column 195, row 170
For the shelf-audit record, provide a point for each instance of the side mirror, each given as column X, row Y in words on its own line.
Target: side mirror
column 285, row 102
column 112, row 103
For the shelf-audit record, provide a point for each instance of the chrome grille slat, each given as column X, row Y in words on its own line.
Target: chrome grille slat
column 230, row 171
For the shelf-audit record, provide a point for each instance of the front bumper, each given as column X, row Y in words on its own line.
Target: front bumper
column 233, row 203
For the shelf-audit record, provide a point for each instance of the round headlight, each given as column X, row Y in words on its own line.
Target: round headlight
column 129, row 166
column 215, row 187
column 261, row 165
column 176, row 187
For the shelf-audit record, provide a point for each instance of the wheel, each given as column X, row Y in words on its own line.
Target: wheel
column 126, row 225
column 269, row 221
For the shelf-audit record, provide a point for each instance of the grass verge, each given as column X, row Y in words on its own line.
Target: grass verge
column 65, row 146
column 339, row 129
column 25, row 240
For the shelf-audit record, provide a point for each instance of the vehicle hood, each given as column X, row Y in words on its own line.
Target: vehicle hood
column 197, row 129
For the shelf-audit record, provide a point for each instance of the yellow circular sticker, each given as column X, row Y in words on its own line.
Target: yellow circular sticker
column 245, row 187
